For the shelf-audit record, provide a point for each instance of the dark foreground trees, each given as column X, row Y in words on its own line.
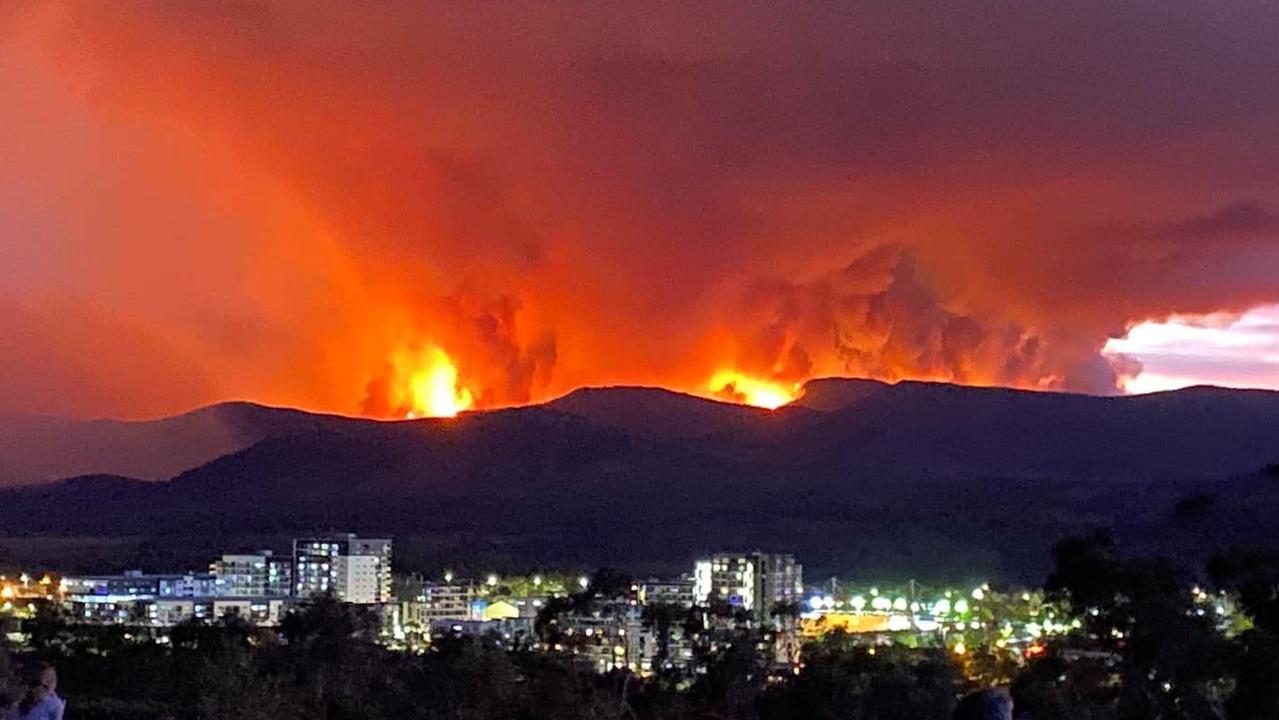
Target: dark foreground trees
column 322, row 664
column 843, row 681
column 1154, row 644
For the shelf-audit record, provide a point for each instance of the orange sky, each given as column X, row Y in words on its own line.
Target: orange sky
column 281, row 201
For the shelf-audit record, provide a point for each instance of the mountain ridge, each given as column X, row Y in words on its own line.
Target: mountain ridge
column 36, row 449
column 924, row 475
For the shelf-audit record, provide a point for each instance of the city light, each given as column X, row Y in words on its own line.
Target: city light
column 912, row 615
column 899, row 623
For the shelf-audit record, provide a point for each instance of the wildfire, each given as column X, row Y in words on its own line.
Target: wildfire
column 433, row 387
column 752, row 391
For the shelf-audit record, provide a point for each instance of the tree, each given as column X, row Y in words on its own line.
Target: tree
column 734, row 679
column 1254, row 578
column 1145, row 651
column 844, row 680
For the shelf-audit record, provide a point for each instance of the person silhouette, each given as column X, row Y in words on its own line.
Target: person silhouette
column 41, row 701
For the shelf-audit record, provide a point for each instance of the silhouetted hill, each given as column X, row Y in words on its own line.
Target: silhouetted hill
column 658, row 414
column 920, row 478
column 654, row 412
column 944, row 430
column 827, row 394
column 39, row 449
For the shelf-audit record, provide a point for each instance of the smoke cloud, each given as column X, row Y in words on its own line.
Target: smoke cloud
column 270, row 200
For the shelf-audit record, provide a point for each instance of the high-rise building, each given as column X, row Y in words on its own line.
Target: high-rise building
column 756, row 582
column 259, row 574
column 354, row 569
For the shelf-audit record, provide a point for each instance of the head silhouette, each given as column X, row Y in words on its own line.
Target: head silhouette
column 989, row 704
column 42, row 680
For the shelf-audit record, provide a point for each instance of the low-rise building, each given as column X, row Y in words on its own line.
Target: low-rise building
column 451, row 601
column 266, row 611
column 516, row 632
column 604, row 641
column 432, row 602
column 679, row 592
column 259, row 574
column 135, row 598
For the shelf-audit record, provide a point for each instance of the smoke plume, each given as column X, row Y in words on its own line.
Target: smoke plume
column 274, row 200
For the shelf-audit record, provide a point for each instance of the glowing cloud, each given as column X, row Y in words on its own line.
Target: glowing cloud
column 1219, row 349
column 429, row 385
column 734, row 386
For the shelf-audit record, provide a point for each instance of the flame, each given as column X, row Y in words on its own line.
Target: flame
column 433, row 387
column 739, row 387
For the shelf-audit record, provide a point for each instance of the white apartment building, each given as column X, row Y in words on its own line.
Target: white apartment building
column 755, row 582
column 354, row 569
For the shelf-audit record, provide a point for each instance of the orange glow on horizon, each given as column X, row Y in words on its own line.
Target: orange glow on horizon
column 432, row 387
column 735, row 386
column 374, row 222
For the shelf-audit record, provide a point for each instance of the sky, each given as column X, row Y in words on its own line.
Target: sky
column 322, row 205
column 1224, row 350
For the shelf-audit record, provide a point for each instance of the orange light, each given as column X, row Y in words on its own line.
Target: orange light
column 738, row 387
column 1034, row 650
column 433, row 387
